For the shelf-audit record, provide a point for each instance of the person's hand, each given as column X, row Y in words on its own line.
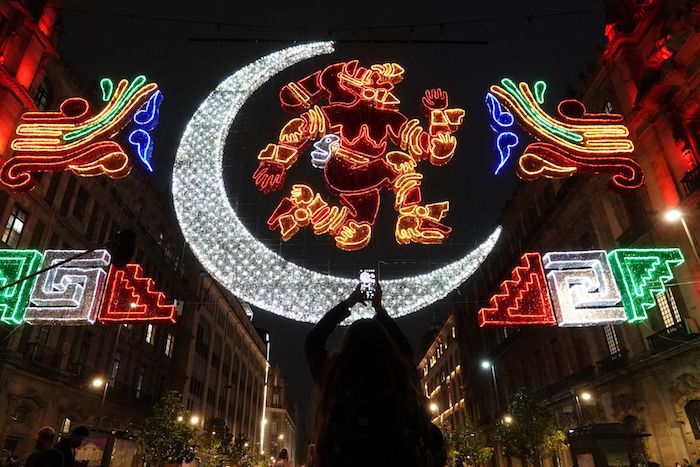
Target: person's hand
column 377, row 299
column 355, row 298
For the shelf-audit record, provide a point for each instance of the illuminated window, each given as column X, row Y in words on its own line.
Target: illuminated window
column 65, row 425
column 139, row 381
column 169, row 345
column 608, row 107
column 42, row 97
column 14, row 227
column 669, row 310
column 611, row 339
column 150, row 334
column 115, row 368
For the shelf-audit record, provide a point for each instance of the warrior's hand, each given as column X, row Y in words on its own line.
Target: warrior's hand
column 269, row 176
column 434, row 99
column 400, row 161
column 442, row 148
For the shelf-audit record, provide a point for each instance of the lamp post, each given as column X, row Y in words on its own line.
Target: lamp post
column 675, row 215
column 584, row 396
column 485, row 365
column 103, row 383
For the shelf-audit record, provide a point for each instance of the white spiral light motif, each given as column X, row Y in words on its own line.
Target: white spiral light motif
column 239, row 261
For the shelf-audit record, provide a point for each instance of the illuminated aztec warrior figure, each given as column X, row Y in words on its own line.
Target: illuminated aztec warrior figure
column 352, row 133
column 572, row 141
column 77, row 140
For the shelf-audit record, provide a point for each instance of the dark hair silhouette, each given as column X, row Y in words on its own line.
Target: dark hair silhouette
column 283, row 454
column 369, row 401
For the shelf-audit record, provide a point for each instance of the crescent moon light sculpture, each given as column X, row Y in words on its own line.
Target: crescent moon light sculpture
column 239, row 261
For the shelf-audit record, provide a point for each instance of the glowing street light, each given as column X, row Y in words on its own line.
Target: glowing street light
column 675, row 215
column 97, row 382
column 280, row 437
column 507, row 419
column 485, row 364
column 194, row 420
column 180, row 418
column 433, row 407
column 586, row 396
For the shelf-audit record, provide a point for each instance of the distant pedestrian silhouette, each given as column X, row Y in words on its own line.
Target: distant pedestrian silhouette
column 371, row 411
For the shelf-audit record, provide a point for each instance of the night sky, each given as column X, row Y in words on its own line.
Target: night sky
column 174, row 44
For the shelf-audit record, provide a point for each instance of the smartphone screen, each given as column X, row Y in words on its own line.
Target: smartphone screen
column 368, row 279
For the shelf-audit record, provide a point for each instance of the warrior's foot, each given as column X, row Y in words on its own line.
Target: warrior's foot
column 354, row 236
column 421, row 224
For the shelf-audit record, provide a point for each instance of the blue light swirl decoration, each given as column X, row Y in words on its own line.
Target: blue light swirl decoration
column 146, row 119
column 500, row 122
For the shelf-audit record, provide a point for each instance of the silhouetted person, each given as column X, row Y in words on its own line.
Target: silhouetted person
column 70, row 442
column 283, row 459
column 45, row 455
column 371, row 411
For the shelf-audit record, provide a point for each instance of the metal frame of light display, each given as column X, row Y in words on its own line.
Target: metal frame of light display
column 75, row 139
column 239, row 261
column 572, row 141
column 585, row 288
column 80, row 291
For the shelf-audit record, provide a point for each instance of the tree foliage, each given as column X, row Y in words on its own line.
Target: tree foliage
column 466, row 442
column 531, row 435
column 216, row 443
column 166, row 436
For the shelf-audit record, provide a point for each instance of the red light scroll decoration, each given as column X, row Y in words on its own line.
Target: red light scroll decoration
column 522, row 300
column 352, row 133
column 131, row 298
column 74, row 138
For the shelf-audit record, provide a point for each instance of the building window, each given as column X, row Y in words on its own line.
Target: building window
column 15, row 226
column 608, row 107
column 692, row 411
column 50, row 195
column 80, row 204
column 115, row 368
column 611, row 339
column 65, row 425
column 669, row 310
column 139, row 381
column 169, row 345
column 42, row 97
column 150, row 334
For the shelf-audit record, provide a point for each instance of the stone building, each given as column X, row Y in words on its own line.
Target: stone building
column 280, row 415
column 644, row 376
column 47, row 372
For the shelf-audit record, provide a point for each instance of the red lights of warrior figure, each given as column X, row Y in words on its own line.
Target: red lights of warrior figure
column 587, row 288
column 78, row 140
column 570, row 142
column 352, row 131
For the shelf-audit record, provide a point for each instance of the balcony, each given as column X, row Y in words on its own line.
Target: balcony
column 691, row 180
column 670, row 337
column 614, row 362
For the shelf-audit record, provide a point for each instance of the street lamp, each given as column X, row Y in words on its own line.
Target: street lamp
column 507, row 419
column 675, row 215
column 583, row 396
column 180, row 418
column 485, row 365
column 194, row 420
column 280, row 437
column 433, row 407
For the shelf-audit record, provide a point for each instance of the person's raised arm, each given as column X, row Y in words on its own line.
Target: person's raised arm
column 390, row 326
column 315, row 345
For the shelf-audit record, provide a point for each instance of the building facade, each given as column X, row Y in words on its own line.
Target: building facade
column 280, row 415
column 644, row 376
column 56, row 375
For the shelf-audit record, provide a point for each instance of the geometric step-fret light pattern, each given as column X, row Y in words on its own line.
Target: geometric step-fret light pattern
column 14, row 265
column 523, row 300
column 69, row 294
column 130, row 297
column 583, row 288
column 641, row 274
